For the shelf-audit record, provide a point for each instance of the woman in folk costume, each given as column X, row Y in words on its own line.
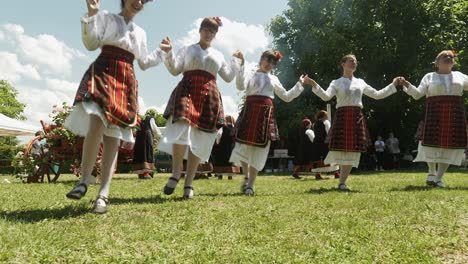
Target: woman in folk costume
column 143, row 151
column 348, row 133
column 444, row 136
column 222, row 148
column 195, row 110
column 321, row 128
column 303, row 154
column 256, row 126
column 106, row 103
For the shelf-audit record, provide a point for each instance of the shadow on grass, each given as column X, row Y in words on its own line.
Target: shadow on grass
column 139, row 200
column 239, row 194
column 330, row 190
column 419, row 188
column 37, row 215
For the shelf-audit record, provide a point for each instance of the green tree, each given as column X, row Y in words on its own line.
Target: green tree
column 389, row 37
column 158, row 118
column 12, row 108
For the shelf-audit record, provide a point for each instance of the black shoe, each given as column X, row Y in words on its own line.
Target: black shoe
column 169, row 190
column 77, row 192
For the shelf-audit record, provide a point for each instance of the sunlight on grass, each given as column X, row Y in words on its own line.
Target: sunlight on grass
column 388, row 217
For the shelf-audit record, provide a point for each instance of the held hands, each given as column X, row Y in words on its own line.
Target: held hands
column 305, row 79
column 400, row 81
column 238, row 54
column 166, row 45
column 93, row 7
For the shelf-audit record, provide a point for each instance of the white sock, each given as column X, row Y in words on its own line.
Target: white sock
column 432, row 168
column 442, row 168
column 109, row 160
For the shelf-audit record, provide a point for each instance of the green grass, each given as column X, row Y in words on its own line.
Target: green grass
column 389, row 217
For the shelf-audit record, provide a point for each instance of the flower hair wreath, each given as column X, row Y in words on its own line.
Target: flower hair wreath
column 278, row 54
column 218, row 20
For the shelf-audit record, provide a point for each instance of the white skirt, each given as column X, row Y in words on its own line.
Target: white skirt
column 180, row 132
column 343, row 158
column 330, row 168
column 440, row 155
column 252, row 155
column 78, row 122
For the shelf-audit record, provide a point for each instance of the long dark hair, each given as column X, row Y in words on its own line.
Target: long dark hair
column 122, row 4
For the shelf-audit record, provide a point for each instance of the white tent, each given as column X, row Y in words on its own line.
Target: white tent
column 13, row 127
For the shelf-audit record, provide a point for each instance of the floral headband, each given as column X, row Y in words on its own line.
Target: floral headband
column 218, row 20
column 278, row 54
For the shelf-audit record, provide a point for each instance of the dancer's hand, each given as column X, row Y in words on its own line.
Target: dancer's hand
column 166, row 45
column 404, row 82
column 397, row 81
column 307, row 80
column 93, row 7
column 238, row 54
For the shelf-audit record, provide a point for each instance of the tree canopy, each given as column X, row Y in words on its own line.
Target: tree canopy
column 389, row 37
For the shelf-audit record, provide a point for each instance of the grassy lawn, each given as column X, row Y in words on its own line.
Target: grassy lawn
column 389, row 217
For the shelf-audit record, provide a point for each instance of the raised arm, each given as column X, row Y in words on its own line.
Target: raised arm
column 240, row 79
column 174, row 64
column 324, row 95
column 381, row 94
column 152, row 59
column 284, row 95
column 229, row 70
column 93, row 26
column 417, row 92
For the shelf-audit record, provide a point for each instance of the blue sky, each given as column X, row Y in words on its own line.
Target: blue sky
column 42, row 55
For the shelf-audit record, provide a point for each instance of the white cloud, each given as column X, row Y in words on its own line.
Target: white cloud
column 232, row 36
column 61, row 86
column 12, row 70
column 39, row 101
column 52, row 55
column 231, row 106
column 144, row 108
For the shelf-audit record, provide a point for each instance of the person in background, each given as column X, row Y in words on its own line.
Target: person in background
column 303, row 155
column 143, row 151
column 379, row 146
column 393, row 148
column 321, row 128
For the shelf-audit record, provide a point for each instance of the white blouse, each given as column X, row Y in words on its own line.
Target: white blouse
column 349, row 92
column 434, row 84
column 193, row 57
column 310, row 134
column 110, row 29
column 266, row 84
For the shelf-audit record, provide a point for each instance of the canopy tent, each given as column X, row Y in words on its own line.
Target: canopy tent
column 13, row 127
